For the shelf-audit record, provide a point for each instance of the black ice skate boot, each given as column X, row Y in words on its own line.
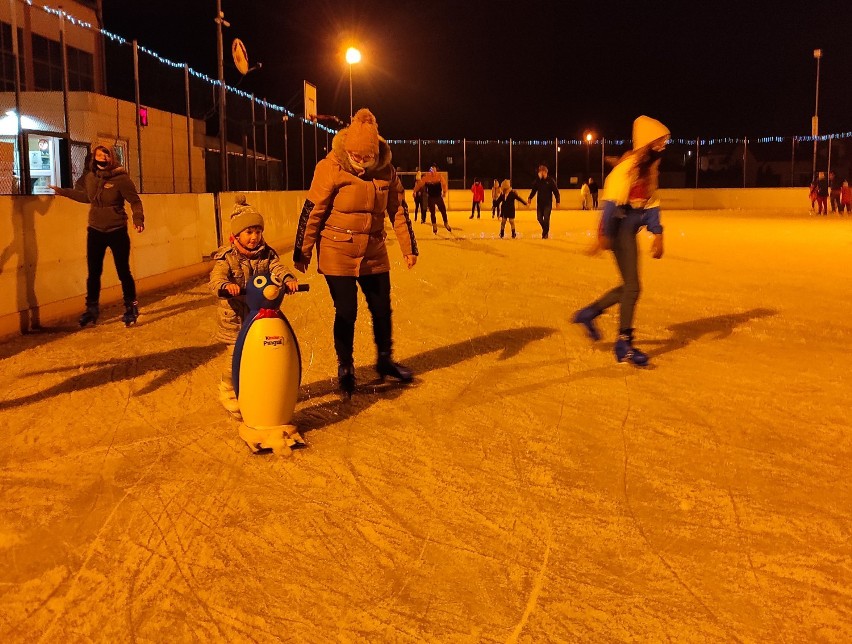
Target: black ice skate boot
column 626, row 352
column 346, row 378
column 387, row 367
column 131, row 313
column 90, row 315
column 586, row 317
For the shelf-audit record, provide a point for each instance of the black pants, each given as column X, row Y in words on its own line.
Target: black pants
column 834, row 198
column 439, row 202
column 543, row 215
column 419, row 207
column 625, row 249
column 595, row 200
column 344, row 292
column 476, row 207
column 493, row 208
column 118, row 241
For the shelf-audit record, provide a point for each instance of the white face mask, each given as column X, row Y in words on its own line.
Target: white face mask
column 361, row 166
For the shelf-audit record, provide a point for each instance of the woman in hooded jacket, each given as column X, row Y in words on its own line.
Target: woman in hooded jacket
column 630, row 202
column 354, row 188
column 106, row 187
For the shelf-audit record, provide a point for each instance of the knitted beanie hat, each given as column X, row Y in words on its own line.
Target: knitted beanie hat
column 362, row 135
column 244, row 216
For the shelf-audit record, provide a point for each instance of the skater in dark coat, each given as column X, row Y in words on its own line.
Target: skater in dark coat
column 630, row 202
column 436, row 190
column 822, row 194
column 355, row 189
column 545, row 187
column 506, row 206
column 106, row 188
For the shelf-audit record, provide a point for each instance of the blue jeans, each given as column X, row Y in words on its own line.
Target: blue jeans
column 543, row 214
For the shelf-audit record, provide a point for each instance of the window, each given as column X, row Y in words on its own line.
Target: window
column 7, row 57
column 47, row 66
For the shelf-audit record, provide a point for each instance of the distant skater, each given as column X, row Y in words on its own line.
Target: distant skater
column 495, row 195
column 478, row 197
column 436, row 190
column 419, row 205
column 545, row 187
column 630, row 202
column 822, row 194
column 506, row 205
column 593, row 192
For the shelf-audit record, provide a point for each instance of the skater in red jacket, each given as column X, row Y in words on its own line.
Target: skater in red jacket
column 478, row 197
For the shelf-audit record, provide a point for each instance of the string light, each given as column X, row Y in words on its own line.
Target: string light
column 77, row 22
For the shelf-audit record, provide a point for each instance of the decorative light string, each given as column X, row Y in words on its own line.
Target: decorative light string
column 162, row 59
column 278, row 108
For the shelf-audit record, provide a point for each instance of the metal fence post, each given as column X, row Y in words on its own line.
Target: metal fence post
column 464, row 163
column 188, row 125
column 697, row 160
column 510, row 162
column 138, row 106
column 286, row 155
column 745, row 156
column 265, row 146
column 793, row 165
column 302, row 130
column 23, row 143
column 65, row 111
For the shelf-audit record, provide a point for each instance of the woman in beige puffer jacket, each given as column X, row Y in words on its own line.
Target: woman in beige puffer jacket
column 354, row 188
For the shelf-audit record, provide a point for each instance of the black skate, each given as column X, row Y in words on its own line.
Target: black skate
column 386, row 367
column 625, row 352
column 346, row 379
column 90, row 315
column 131, row 313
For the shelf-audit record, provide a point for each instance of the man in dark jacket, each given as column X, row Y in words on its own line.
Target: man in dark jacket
column 545, row 187
column 834, row 184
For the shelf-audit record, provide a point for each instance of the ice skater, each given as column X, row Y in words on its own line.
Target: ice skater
column 419, row 202
column 478, row 197
column 545, row 187
column 436, row 190
column 506, row 206
column 234, row 265
column 354, row 188
column 106, row 187
column 495, row 195
column 630, row 202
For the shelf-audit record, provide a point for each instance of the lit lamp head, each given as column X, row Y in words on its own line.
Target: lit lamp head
column 353, row 56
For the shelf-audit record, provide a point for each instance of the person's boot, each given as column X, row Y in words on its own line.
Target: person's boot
column 586, row 317
column 385, row 366
column 434, row 229
column 90, row 315
column 346, row 378
column 131, row 313
column 228, row 399
column 626, row 352
column 447, row 226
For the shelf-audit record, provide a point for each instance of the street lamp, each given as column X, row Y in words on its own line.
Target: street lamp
column 815, row 120
column 352, row 56
column 588, row 136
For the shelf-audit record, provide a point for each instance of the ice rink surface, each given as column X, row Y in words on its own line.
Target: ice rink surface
column 525, row 488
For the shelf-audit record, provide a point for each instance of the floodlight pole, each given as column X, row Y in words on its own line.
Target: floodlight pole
column 223, row 137
column 815, row 122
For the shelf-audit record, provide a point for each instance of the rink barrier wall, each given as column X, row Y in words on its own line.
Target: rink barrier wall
column 43, row 259
column 673, row 199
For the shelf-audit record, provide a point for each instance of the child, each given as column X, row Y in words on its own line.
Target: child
column 630, row 202
column 235, row 264
column 478, row 197
column 495, row 195
column 506, row 206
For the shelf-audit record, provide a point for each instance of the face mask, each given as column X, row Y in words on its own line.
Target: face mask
column 360, row 167
column 101, row 165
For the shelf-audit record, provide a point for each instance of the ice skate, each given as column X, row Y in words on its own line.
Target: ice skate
column 228, row 400
column 386, row 367
column 625, row 352
column 434, row 229
column 90, row 315
column 586, row 317
column 346, row 379
column 447, row 226
column 131, row 313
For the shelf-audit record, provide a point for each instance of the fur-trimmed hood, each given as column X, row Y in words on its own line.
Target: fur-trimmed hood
column 338, row 151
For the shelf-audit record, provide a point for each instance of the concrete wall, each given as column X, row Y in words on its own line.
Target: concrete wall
column 43, row 261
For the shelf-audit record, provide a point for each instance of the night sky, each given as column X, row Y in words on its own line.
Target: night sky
column 528, row 70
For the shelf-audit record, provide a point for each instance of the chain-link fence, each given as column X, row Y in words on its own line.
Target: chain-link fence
column 78, row 85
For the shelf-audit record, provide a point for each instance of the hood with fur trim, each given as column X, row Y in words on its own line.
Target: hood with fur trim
column 338, row 149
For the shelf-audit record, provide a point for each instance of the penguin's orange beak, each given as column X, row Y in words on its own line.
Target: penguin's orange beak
column 271, row 292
